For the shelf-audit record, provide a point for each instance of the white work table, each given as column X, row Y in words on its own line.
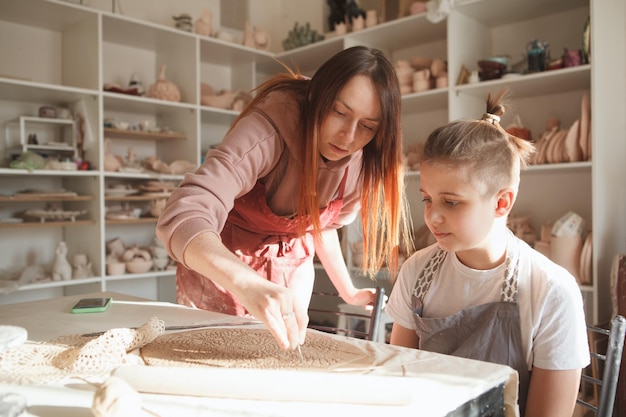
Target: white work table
column 436, row 385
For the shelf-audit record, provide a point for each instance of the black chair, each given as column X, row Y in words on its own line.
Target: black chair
column 604, row 368
column 324, row 306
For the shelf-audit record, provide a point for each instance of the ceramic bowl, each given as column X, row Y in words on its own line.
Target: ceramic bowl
column 116, row 268
column 138, row 266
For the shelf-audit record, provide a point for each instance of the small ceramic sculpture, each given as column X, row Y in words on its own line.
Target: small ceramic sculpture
column 138, row 260
column 340, row 28
column 371, row 18
column 159, row 255
column 183, row 22
column 261, row 39
column 82, row 267
column 136, row 84
column 404, row 71
column 421, row 80
column 111, row 162
column 61, row 268
column 223, row 100
column 164, row 89
column 358, row 23
column 248, row 35
column 203, row 25
column 157, row 206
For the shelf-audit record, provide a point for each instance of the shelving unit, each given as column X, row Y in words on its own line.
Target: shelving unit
column 60, row 140
column 72, row 51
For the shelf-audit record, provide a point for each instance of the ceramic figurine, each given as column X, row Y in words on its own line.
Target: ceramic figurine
column 164, row 89
column 82, row 267
column 136, row 84
column 358, row 23
column 203, row 25
column 183, row 22
column 61, row 269
column 340, row 28
column 261, row 39
column 248, row 35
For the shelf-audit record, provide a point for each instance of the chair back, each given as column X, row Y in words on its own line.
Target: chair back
column 325, row 307
column 603, row 372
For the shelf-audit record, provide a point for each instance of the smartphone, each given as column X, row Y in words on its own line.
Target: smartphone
column 92, row 305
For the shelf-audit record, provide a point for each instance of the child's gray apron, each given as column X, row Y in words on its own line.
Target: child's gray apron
column 489, row 332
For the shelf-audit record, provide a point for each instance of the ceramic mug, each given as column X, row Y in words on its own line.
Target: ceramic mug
column 423, row 74
column 442, row 80
column 421, row 85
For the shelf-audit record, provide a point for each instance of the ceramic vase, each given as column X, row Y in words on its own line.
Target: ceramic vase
column 565, row 251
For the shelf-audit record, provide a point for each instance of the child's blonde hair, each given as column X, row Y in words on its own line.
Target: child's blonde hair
column 495, row 156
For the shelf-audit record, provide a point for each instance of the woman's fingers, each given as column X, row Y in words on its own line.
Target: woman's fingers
column 277, row 310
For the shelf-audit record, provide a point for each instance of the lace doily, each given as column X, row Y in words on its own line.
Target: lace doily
column 250, row 348
column 92, row 359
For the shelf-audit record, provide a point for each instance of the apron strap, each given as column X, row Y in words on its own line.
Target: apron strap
column 428, row 273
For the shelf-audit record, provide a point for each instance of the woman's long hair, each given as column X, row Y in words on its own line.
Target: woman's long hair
column 384, row 212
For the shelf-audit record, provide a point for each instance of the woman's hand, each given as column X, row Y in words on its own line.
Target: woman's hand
column 360, row 297
column 276, row 306
column 273, row 304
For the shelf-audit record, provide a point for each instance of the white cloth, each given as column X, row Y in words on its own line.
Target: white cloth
column 551, row 308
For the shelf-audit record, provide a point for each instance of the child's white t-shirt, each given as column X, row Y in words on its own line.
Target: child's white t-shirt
column 553, row 324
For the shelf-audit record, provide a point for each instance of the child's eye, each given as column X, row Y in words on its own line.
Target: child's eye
column 451, row 203
column 425, row 200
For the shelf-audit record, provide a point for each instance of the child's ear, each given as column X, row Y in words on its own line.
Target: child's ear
column 504, row 202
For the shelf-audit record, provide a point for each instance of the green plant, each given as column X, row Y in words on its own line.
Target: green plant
column 300, row 36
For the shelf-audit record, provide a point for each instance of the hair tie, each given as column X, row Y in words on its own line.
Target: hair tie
column 491, row 118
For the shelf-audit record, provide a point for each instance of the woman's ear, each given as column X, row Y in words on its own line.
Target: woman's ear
column 504, row 202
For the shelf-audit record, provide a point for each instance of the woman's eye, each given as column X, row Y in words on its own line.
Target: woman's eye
column 340, row 113
column 425, row 200
column 451, row 203
column 370, row 128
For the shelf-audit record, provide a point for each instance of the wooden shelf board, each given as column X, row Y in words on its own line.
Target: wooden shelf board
column 133, row 134
column 44, row 197
column 48, row 223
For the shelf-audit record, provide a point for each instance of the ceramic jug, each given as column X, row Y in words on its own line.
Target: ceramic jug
column 537, row 53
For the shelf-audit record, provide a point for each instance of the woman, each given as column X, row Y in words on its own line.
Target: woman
column 299, row 162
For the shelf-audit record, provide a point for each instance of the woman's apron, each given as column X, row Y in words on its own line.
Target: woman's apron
column 268, row 243
column 490, row 332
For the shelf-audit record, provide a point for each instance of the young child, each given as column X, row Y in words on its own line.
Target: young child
column 480, row 292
